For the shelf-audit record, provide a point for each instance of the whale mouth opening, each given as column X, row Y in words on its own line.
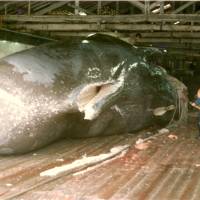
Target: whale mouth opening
column 94, row 97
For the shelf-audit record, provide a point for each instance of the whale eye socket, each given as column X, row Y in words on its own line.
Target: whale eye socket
column 94, row 97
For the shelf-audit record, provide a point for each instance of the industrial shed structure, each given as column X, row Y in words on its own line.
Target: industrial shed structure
column 153, row 165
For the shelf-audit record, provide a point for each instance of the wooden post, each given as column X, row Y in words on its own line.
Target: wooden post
column 161, row 7
column 76, row 11
column 162, row 10
column 193, row 11
column 117, row 7
column 29, row 8
column 99, row 7
column 5, row 9
column 147, row 7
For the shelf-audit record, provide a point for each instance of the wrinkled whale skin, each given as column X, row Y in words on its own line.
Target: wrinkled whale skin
column 80, row 87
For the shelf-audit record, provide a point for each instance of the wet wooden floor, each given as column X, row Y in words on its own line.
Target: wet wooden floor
column 166, row 168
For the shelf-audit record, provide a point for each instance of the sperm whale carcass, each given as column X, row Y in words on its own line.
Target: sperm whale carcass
column 80, row 87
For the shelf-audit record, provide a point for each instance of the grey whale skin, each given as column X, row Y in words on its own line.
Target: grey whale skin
column 80, row 87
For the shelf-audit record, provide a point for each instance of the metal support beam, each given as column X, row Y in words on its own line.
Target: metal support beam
column 35, row 4
column 138, row 5
column 79, row 8
column 154, row 5
column 50, row 8
column 40, row 6
column 184, row 6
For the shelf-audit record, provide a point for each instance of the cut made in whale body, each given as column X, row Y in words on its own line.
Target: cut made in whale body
column 94, row 96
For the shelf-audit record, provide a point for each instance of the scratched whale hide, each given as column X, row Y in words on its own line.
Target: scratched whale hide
column 80, row 87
